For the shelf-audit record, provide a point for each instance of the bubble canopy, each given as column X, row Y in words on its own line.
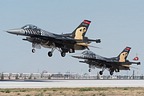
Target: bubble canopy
column 88, row 52
column 29, row 26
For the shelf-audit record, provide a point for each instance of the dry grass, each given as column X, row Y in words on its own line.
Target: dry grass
column 73, row 92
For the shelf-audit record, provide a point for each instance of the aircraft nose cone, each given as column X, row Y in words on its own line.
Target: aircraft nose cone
column 14, row 31
column 77, row 56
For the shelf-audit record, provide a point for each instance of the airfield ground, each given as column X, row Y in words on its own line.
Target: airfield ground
column 89, row 91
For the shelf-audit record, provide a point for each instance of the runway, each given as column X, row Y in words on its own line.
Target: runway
column 70, row 83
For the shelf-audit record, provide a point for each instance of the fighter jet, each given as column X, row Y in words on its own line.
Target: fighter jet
column 112, row 64
column 62, row 42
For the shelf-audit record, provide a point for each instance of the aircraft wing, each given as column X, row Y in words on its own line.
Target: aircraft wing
column 90, row 58
column 64, row 39
column 106, row 62
column 56, row 39
column 127, row 63
column 114, row 63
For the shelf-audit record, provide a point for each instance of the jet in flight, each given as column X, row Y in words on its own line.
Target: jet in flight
column 62, row 42
column 112, row 64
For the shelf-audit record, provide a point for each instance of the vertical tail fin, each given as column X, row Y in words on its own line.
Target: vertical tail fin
column 124, row 54
column 81, row 30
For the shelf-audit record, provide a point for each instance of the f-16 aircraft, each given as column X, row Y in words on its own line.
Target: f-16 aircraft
column 64, row 42
column 112, row 64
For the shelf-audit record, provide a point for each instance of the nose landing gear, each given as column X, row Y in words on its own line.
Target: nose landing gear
column 50, row 54
column 63, row 54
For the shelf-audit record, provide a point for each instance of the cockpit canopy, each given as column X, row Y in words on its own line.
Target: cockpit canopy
column 88, row 53
column 29, row 26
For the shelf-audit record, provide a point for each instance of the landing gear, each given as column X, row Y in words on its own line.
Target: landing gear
column 111, row 72
column 33, row 50
column 117, row 70
column 101, row 72
column 63, row 54
column 50, row 54
column 89, row 70
column 71, row 50
column 90, row 66
column 35, row 45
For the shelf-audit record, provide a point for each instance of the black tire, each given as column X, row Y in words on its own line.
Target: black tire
column 111, row 73
column 117, row 70
column 101, row 72
column 33, row 50
column 50, row 54
column 63, row 54
column 71, row 50
column 89, row 70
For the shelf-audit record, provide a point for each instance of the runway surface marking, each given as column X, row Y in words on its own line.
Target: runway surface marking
column 71, row 83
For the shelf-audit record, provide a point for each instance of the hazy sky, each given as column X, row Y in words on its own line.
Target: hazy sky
column 119, row 23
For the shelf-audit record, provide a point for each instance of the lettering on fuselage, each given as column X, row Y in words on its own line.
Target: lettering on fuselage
column 32, row 31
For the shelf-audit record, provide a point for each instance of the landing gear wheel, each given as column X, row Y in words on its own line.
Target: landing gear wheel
column 63, row 54
column 101, row 72
column 33, row 50
column 71, row 51
column 111, row 73
column 116, row 70
column 89, row 70
column 50, row 54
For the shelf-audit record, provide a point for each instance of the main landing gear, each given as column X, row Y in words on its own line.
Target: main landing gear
column 63, row 54
column 89, row 70
column 101, row 72
column 90, row 66
column 50, row 53
column 111, row 72
column 33, row 50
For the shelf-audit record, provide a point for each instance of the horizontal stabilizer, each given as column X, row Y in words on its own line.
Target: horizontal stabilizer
column 138, row 63
column 97, row 40
column 82, row 61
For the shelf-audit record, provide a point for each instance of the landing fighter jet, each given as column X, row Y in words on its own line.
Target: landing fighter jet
column 64, row 43
column 112, row 64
